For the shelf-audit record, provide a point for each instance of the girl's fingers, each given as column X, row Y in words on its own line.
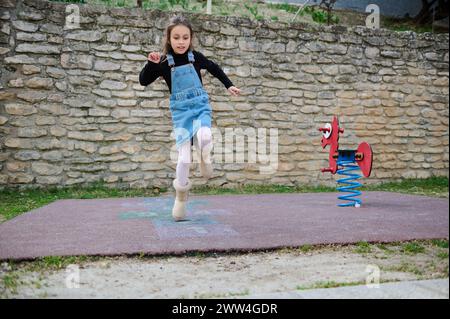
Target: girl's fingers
column 235, row 91
column 154, row 57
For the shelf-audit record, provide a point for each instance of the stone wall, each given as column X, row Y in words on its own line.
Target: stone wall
column 72, row 110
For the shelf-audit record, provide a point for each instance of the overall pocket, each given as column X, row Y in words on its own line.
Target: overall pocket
column 178, row 105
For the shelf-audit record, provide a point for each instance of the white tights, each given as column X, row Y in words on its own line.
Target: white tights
column 203, row 139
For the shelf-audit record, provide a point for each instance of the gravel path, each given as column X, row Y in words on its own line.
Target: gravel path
column 225, row 275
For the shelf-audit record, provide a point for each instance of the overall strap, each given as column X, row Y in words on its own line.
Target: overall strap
column 170, row 60
column 191, row 57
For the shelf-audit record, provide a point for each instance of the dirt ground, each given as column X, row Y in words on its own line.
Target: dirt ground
column 226, row 275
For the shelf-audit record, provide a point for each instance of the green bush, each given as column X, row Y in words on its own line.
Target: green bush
column 284, row 6
column 253, row 9
column 320, row 16
column 69, row 1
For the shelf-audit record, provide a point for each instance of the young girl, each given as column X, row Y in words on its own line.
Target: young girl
column 180, row 67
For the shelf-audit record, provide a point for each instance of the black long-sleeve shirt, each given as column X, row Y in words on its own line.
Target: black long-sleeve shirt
column 152, row 71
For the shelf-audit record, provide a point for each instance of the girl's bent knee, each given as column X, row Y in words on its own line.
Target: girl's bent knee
column 205, row 135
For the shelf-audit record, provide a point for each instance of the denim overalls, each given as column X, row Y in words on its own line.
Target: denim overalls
column 189, row 102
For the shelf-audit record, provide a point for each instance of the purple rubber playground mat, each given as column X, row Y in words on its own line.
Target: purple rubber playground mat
column 218, row 223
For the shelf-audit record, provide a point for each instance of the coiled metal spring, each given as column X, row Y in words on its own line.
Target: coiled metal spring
column 350, row 184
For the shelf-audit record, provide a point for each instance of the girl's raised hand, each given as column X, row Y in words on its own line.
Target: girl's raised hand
column 154, row 57
column 234, row 90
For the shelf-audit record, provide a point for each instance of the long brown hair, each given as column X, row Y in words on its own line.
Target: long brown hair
column 175, row 21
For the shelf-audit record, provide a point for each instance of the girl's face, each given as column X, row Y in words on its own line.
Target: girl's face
column 180, row 39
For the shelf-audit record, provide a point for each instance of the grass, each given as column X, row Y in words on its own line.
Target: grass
column 437, row 249
column 51, row 263
column 330, row 284
column 245, row 292
column 442, row 255
column 436, row 186
column 260, row 189
column 412, row 248
column 11, row 282
column 407, row 268
column 442, row 243
column 284, row 6
column 15, row 202
column 363, row 248
column 305, row 248
column 385, row 248
column 401, row 25
column 402, row 255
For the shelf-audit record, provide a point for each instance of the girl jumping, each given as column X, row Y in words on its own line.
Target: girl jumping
column 180, row 67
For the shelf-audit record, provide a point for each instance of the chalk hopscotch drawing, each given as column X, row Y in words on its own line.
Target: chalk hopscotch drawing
column 201, row 221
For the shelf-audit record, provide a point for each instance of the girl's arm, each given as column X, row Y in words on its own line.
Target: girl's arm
column 149, row 73
column 214, row 69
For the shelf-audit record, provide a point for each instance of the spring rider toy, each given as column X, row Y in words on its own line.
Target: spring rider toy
column 343, row 162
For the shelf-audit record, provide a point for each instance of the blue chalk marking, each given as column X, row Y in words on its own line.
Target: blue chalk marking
column 137, row 215
column 200, row 221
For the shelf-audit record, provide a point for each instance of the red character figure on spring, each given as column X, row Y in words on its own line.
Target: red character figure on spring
column 343, row 163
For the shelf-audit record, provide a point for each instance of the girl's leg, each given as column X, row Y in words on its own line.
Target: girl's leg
column 204, row 146
column 181, row 183
column 184, row 163
column 204, row 142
